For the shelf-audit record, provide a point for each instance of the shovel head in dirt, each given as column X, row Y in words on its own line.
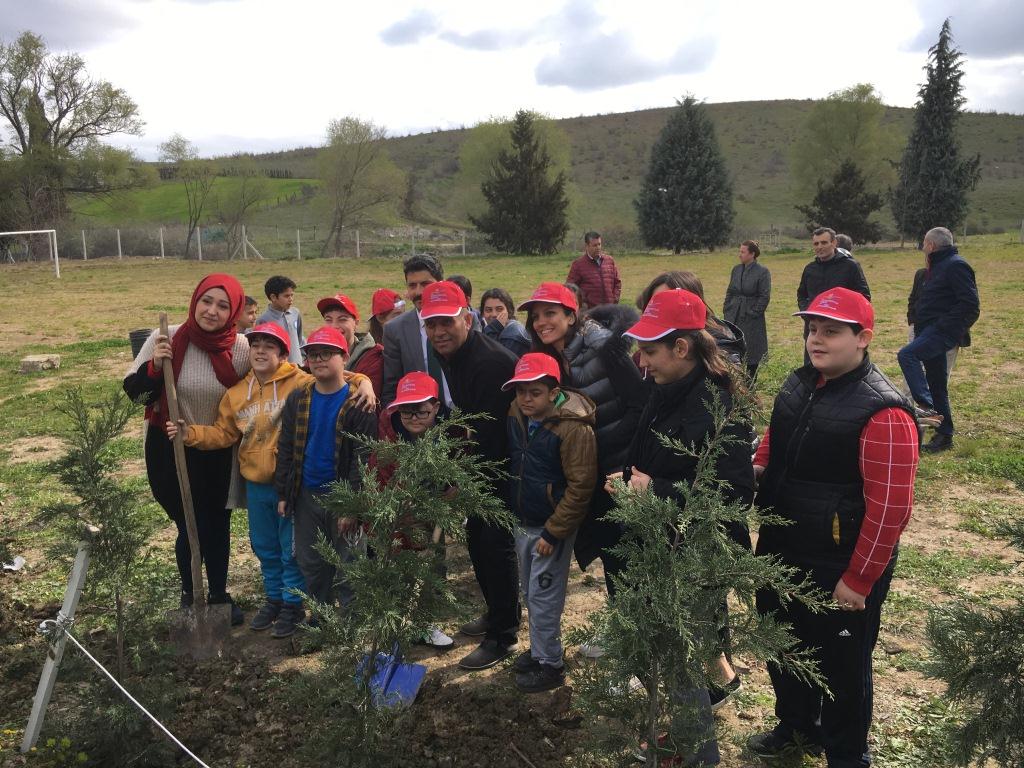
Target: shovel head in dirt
column 200, row 631
column 394, row 683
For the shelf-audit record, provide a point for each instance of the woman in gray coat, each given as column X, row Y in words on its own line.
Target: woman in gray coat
column 746, row 299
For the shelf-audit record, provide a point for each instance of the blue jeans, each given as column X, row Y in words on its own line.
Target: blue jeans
column 272, row 539
column 923, row 362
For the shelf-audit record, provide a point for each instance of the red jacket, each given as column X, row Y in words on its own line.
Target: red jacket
column 598, row 284
column 371, row 365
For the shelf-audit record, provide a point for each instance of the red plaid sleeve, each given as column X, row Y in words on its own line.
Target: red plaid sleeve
column 888, row 464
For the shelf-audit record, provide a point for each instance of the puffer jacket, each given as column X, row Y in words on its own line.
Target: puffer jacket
column 600, row 367
column 554, row 471
column 512, row 336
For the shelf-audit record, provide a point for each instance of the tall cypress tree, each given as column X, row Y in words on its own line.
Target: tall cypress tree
column 686, row 197
column 933, row 178
column 526, row 210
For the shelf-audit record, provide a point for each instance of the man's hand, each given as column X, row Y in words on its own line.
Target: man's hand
column 543, row 548
column 364, row 397
column 638, row 481
column 608, row 487
column 847, row 599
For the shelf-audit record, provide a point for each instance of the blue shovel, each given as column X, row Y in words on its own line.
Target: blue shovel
column 394, row 683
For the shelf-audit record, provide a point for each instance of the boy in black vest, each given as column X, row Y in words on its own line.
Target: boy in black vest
column 838, row 461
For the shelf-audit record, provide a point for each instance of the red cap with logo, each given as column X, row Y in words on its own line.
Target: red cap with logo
column 338, row 301
column 326, row 337
column 274, row 331
column 843, row 305
column 385, row 300
column 552, row 293
column 670, row 311
column 415, row 387
column 443, row 299
column 533, row 366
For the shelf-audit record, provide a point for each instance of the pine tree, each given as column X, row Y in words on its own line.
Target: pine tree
column 685, row 201
column 933, row 178
column 844, row 204
column 526, row 208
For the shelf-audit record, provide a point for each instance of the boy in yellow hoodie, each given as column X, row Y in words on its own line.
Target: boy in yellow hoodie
column 250, row 415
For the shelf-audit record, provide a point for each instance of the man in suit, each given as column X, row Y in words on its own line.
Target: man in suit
column 405, row 340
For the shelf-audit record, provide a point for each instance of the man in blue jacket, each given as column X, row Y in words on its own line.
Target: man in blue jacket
column 947, row 307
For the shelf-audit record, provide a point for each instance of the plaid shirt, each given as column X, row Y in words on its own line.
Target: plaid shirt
column 302, row 434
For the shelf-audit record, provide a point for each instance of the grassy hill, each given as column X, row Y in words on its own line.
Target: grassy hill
column 609, row 157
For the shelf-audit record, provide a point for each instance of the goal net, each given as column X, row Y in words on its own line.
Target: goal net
column 30, row 245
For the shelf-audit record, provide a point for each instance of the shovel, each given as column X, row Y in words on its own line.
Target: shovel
column 200, row 630
column 393, row 683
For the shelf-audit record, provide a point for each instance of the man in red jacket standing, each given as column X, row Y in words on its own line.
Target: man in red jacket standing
column 596, row 274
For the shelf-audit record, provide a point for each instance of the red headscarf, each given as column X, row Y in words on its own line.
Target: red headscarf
column 217, row 344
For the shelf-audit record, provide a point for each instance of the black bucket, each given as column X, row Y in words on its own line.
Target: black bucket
column 138, row 338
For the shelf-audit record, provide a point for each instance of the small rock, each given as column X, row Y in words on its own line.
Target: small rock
column 36, row 363
column 893, row 648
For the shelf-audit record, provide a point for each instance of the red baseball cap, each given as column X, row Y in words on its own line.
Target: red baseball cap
column 843, row 305
column 669, row 311
column 326, row 337
column 443, row 299
column 552, row 293
column 415, row 387
column 385, row 300
column 533, row 366
column 274, row 331
column 338, row 301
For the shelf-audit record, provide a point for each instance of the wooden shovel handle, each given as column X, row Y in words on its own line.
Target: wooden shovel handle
column 198, row 591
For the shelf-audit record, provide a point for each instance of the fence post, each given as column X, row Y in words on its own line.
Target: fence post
column 199, row 241
column 357, row 239
column 119, row 244
column 161, row 242
column 298, row 243
column 463, row 242
column 245, row 249
column 56, row 256
column 85, row 253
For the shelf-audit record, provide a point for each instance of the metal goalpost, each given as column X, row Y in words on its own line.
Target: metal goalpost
column 51, row 241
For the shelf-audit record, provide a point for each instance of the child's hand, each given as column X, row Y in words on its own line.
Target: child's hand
column 282, row 508
column 172, row 429
column 161, row 352
column 364, row 397
column 608, row 487
column 544, row 548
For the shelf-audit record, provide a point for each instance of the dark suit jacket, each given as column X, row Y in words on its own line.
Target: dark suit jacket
column 403, row 352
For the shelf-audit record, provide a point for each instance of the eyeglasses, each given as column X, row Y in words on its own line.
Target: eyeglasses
column 418, row 415
column 318, row 355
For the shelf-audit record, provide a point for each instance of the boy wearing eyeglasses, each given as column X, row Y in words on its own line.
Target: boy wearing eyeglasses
column 313, row 452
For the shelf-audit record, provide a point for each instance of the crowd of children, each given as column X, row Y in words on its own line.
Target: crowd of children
column 267, row 412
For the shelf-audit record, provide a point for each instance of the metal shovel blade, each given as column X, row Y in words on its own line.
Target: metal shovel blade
column 200, row 632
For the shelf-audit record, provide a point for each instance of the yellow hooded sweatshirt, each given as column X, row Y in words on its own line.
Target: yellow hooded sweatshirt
column 250, row 412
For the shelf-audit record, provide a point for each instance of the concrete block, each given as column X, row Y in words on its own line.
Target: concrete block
column 35, row 363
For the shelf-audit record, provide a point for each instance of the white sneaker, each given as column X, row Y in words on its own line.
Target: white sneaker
column 438, row 639
column 632, row 686
column 591, row 650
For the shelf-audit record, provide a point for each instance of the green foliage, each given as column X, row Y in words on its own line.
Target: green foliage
column 685, row 201
column 399, row 591
column 934, row 178
column 526, row 206
column 844, row 203
column 977, row 650
column 662, row 627
column 848, row 126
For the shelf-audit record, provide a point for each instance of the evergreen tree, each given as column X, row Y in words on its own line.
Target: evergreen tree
column 933, row 178
column 844, row 204
column 686, row 197
column 526, row 207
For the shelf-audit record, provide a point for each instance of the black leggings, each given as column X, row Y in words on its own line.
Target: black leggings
column 209, row 475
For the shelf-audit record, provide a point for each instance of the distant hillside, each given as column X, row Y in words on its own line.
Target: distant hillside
column 610, row 153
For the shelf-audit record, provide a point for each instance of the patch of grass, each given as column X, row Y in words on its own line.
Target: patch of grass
column 914, row 734
column 982, row 516
column 945, row 569
column 1007, row 466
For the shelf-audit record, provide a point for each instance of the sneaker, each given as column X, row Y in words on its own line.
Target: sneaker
column 720, row 694
column 592, row 650
column 486, row 655
column 187, row 599
column 928, row 416
column 938, row 443
column 774, row 744
column 543, row 677
column 476, row 628
column 435, row 638
column 288, row 620
column 266, row 616
column 525, row 662
column 237, row 616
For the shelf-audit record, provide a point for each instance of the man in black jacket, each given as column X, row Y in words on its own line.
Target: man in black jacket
column 832, row 268
column 948, row 305
column 475, row 368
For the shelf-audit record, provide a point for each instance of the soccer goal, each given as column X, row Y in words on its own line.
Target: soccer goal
column 22, row 243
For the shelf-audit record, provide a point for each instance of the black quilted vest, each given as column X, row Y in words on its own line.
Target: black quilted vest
column 813, row 477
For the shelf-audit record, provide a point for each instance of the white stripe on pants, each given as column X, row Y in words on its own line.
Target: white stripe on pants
column 543, row 580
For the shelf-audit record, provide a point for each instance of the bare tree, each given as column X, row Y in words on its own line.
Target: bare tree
column 236, row 202
column 357, row 175
column 195, row 173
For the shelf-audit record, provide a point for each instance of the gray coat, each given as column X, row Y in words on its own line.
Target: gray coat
column 746, row 299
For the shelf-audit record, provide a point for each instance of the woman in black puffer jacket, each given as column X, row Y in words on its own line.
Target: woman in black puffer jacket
column 595, row 360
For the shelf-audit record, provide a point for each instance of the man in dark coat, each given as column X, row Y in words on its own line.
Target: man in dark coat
column 832, row 268
column 946, row 308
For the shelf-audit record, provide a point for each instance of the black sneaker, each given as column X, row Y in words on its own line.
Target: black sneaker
column 525, row 662
column 721, row 693
column 237, row 616
column 266, row 616
column 486, row 655
column 288, row 621
column 187, row 599
column 543, row 677
column 938, row 443
column 476, row 628
column 775, row 744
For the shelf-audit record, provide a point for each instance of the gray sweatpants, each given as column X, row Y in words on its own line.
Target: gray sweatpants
column 543, row 581
column 311, row 519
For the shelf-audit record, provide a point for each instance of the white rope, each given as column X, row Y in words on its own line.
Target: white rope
column 53, row 628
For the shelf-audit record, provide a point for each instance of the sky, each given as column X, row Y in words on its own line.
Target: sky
column 260, row 75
